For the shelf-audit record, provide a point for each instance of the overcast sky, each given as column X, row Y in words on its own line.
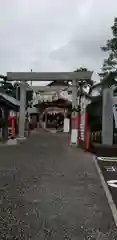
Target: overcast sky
column 54, row 35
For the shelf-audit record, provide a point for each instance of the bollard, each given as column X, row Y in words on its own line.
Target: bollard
column 13, row 127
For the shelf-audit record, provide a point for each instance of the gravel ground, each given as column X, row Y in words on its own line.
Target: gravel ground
column 51, row 191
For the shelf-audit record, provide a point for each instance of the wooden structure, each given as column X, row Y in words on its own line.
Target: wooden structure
column 7, row 104
column 60, row 106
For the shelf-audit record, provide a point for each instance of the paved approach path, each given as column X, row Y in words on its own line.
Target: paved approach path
column 51, row 191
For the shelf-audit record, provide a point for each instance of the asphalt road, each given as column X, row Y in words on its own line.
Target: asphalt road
column 49, row 190
column 109, row 170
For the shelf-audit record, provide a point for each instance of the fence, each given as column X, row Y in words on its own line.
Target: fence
column 96, row 137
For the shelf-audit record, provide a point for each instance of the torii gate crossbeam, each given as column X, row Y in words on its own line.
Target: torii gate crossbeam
column 48, row 76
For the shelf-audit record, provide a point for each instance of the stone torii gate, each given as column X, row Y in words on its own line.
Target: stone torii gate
column 23, row 77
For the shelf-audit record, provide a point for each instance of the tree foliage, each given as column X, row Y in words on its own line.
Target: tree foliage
column 110, row 63
column 81, row 69
column 84, row 85
column 13, row 90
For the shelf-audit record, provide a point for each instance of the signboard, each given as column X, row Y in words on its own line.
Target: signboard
column 12, row 115
column 82, row 114
column 115, row 110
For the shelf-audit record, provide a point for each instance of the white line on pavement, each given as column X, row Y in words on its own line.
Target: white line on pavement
column 107, row 159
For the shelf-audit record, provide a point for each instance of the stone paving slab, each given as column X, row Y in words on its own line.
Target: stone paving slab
column 49, row 190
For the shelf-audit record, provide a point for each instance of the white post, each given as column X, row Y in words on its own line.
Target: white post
column 22, row 110
column 74, row 123
column 66, row 124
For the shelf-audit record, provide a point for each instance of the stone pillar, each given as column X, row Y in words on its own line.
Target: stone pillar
column 107, row 117
column 74, row 119
column 22, row 110
column 46, row 119
column 38, row 121
column 5, row 126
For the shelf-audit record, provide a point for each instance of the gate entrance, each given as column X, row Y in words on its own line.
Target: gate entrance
column 75, row 77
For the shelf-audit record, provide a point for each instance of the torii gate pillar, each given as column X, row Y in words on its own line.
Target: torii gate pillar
column 74, row 117
column 22, row 110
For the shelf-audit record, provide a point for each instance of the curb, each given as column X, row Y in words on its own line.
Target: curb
column 107, row 192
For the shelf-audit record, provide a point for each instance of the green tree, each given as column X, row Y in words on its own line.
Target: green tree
column 6, row 88
column 109, row 68
column 13, row 90
column 84, row 85
column 29, row 94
